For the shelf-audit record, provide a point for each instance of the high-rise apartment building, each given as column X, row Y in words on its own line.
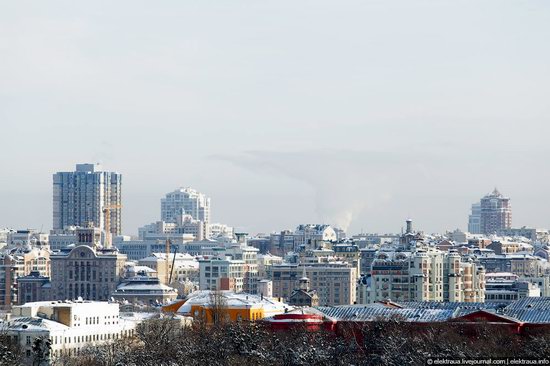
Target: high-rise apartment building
column 496, row 213
column 474, row 220
column 186, row 201
column 86, row 196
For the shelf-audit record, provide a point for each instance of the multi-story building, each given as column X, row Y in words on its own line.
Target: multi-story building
column 368, row 255
column 33, row 287
column 507, row 287
column 222, row 274
column 263, row 244
column 249, row 255
column 282, row 242
column 70, row 326
column 348, row 253
column 265, row 263
column 311, row 235
column 17, row 263
column 60, row 239
column 162, row 230
column 138, row 249
column 496, row 213
column 510, row 247
column 424, row 274
column 186, row 201
column 541, row 236
column 86, row 270
column 85, row 196
column 202, row 247
column 169, row 268
column 520, row 264
column 29, row 237
column 474, row 220
column 4, row 237
column 221, row 230
column 334, row 282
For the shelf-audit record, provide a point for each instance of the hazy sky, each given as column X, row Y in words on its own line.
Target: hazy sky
column 284, row 112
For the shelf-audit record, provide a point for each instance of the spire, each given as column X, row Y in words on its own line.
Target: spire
column 303, row 283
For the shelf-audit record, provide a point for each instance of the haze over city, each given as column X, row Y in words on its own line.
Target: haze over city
column 358, row 114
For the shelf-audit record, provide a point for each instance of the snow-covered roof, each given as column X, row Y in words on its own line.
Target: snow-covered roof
column 233, row 300
column 35, row 323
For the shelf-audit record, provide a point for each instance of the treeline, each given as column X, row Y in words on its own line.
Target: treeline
column 389, row 342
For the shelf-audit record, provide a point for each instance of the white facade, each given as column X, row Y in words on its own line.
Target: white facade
column 138, row 249
column 69, row 325
column 21, row 238
column 221, row 230
column 222, row 274
column 186, row 201
column 162, row 230
column 310, row 234
column 265, row 288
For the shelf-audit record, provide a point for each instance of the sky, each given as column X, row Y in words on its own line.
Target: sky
column 358, row 114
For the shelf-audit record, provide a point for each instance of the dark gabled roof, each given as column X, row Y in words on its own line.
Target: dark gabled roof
column 369, row 313
column 300, row 291
column 487, row 315
column 530, row 303
column 473, row 306
column 532, row 316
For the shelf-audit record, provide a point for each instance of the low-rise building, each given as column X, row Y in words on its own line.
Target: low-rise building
column 507, row 287
column 70, row 326
column 303, row 295
column 209, row 306
column 144, row 290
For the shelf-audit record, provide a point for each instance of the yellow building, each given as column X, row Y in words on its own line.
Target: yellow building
column 208, row 305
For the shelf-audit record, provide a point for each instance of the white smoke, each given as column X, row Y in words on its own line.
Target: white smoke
column 345, row 182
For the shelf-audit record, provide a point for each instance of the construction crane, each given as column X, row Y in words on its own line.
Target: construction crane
column 169, row 271
column 167, row 252
column 107, row 212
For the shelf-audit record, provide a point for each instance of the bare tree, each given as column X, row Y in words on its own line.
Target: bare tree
column 217, row 308
column 10, row 351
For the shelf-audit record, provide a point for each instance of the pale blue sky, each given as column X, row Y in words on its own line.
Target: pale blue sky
column 359, row 112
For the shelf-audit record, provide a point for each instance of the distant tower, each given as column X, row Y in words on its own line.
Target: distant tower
column 80, row 197
column 303, row 283
column 474, row 220
column 409, row 226
column 189, row 201
column 496, row 213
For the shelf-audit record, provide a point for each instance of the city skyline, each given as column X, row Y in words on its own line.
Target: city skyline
column 196, row 199
column 363, row 113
